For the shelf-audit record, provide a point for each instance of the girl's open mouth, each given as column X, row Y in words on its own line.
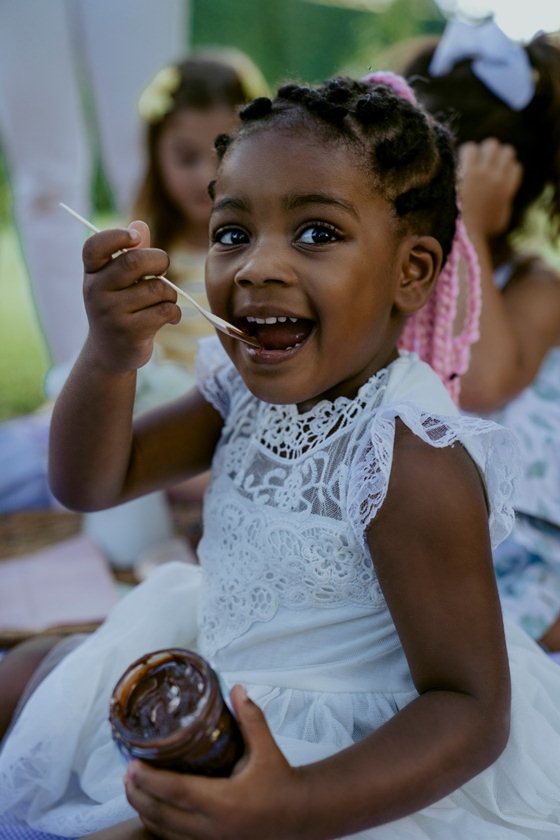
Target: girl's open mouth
column 276, row 333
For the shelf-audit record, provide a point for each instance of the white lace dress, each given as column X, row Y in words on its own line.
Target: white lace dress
column 290, row 606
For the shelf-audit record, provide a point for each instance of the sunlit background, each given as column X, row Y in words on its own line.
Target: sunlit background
column 519, row 20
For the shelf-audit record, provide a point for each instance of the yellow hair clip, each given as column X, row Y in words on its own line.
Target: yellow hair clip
column 156, row 100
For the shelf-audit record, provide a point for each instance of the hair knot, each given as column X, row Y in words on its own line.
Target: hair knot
column 374, row 108
column 221, row 143
column 260, row 107
column 337, row 91
column 292, row 92
column 329, row 111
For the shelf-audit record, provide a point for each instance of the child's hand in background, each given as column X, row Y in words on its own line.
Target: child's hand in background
column 124, row 309
column 489, row 178
column 264, row 797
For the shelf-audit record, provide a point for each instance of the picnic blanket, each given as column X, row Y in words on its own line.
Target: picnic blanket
column 10, row 830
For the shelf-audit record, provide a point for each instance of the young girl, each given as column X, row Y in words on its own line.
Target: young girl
column 507, row 123
column 346, row 577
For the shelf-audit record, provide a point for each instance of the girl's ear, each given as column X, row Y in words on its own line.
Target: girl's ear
column 422, row 260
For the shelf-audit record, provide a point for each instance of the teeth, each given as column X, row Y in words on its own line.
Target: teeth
column 280, row 319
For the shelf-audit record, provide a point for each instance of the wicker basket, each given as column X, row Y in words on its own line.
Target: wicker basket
column 27, row 531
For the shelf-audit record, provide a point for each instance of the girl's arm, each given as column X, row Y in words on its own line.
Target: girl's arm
column 521, row 322
column 431, row 550
column 98, row 455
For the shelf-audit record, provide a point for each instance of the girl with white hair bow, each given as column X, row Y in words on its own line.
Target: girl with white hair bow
column 502, row 100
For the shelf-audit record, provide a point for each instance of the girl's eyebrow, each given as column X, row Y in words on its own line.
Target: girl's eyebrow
column 291, row 202
column 230, row 203
column 301, row 199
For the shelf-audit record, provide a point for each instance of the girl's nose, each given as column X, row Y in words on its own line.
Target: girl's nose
column 263, row 266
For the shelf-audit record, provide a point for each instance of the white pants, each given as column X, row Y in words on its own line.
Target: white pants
column 51, row 52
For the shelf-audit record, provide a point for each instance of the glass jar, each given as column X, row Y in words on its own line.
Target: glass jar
column 168, row 709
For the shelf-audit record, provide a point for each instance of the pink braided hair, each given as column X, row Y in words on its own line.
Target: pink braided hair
column 430, row 331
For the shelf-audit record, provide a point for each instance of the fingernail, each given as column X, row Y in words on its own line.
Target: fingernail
column 134, row 235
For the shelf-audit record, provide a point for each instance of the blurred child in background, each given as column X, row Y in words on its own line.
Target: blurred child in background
column 502, row 100
column 185, row 107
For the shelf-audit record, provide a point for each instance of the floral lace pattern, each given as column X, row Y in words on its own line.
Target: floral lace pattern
column 277, row 503
column 372, row 467
column 292, row 495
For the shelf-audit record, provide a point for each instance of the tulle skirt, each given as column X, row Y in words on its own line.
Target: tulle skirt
column 61, row 773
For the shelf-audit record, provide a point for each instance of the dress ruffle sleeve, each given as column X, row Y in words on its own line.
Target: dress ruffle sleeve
column 433, row 417
column 216, row 376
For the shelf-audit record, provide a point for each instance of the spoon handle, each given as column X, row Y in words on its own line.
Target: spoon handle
column 215, row 320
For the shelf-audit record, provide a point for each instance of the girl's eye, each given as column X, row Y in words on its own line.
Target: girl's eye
column 318, row 234
column 230, row 236
column 187, row 160
column 185, row 155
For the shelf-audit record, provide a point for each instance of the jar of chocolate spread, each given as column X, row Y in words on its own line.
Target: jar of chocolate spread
column 168, row 709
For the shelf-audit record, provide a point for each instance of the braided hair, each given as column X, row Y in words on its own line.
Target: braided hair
column 410, row 159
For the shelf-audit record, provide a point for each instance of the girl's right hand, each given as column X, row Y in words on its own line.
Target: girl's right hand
column 125, row 310
column 489, row 178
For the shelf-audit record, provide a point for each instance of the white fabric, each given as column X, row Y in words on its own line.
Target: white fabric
column 63, row 734
column 47, row 49
column 290, row 606
column 500, row 63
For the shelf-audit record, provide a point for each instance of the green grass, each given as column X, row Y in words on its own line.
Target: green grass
column 24, row 358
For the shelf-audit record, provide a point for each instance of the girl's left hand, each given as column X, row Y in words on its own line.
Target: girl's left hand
column 264, row 798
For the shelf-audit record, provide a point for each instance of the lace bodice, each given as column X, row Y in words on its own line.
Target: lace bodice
column 292, row 494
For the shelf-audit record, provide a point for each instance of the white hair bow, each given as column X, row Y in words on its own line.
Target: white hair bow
column 501, row 64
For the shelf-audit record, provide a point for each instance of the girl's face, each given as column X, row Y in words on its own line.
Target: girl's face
column 187, row 158
column 304, row 255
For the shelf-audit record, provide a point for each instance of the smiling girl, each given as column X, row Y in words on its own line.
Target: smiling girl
column 346, row 575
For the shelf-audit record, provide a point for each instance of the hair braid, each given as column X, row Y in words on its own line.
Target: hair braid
column 430, row 331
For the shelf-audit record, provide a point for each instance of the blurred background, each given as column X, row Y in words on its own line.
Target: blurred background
column 304, row 39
